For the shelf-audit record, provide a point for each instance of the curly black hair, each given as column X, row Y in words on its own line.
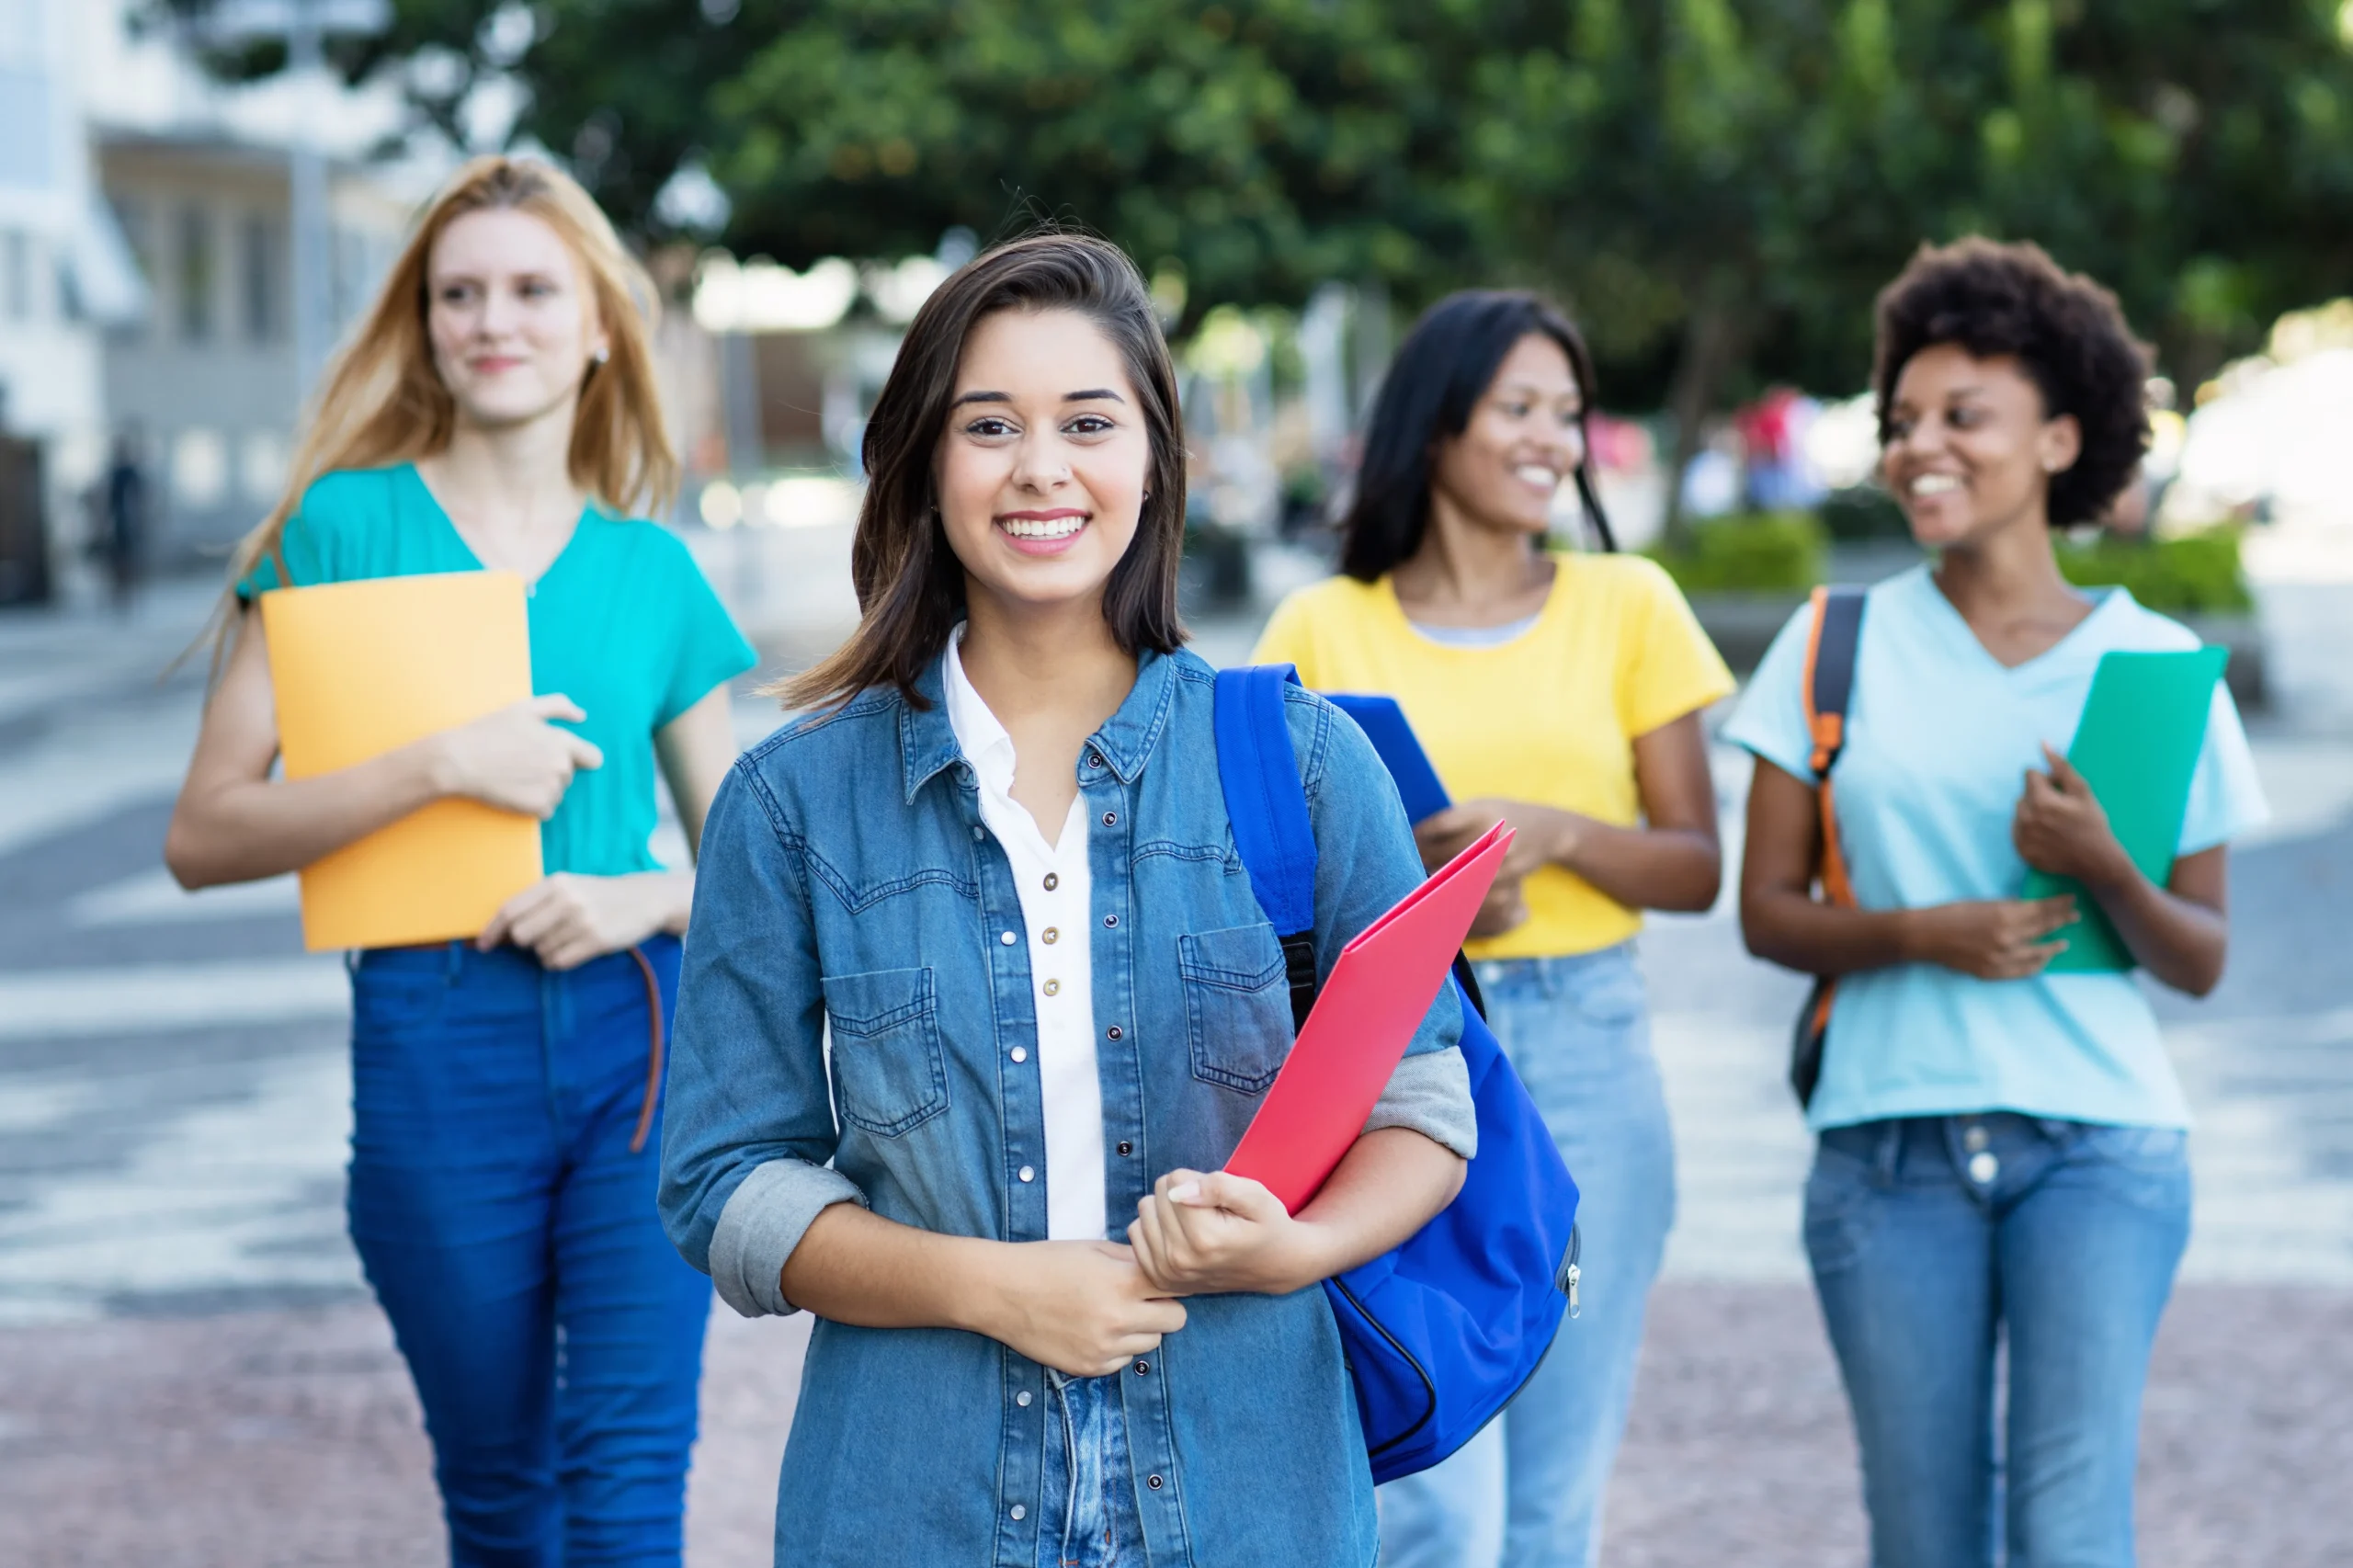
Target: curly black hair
column 2066, row 332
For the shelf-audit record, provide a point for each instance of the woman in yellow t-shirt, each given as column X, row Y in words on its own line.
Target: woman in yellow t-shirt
column 1561, row 691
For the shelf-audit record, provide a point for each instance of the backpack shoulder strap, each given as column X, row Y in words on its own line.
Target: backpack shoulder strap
column 1266, row 803
column 1830, row 652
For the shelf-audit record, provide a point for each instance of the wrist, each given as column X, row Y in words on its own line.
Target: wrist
column 2111, row 871
column 435, row 767
column 974, row 1285
column 1564, row 836
column 1911, row 936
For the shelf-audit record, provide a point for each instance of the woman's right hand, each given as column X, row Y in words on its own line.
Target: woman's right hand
column 516, row 759
column 1991, row 939
column 1083, row 1308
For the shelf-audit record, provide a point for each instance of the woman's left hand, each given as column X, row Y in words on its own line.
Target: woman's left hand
column 1202, row 1234
column 2061, row 829
column 567, row 919
column 1541, row 836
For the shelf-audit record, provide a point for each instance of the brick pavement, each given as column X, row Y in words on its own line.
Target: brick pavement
column 290, row 1439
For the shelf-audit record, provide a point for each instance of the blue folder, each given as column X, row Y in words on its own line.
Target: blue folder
column 1383, row 723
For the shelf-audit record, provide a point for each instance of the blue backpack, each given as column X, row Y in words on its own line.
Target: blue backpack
column 1443, row 1331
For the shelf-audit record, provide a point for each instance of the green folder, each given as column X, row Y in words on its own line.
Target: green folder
column 2137, row 746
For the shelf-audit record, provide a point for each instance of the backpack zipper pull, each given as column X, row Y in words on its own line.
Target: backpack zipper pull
column 1573, row 1271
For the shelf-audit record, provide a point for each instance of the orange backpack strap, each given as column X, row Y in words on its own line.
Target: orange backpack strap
column 1830, row 652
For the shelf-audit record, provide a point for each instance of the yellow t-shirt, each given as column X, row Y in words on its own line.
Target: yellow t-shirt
column 1548, row 716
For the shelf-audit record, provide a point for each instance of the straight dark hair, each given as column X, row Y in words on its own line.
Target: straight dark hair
column 910, row 584
column 1441, row 371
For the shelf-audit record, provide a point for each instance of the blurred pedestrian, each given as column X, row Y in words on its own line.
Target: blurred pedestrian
column 994, row 862
column 498, row 410
column 2001, row 1158
column 1560, row 690
column 122, row 523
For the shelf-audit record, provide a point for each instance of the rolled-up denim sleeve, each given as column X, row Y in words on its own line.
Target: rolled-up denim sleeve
column 1365, row 861
column 749, row 1124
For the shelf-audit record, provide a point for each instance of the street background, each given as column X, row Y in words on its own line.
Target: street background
column 197, row 198
column 191, row 1372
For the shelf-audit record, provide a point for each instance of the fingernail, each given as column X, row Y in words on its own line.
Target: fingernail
column 1185, row 1192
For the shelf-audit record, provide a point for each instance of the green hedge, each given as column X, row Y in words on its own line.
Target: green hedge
column 2190, row 575
column 1758, row 554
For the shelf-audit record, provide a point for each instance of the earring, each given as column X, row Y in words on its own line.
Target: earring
column 600, row 357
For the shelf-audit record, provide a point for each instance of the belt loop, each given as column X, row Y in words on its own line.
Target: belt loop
column 351, row 962
column 1888, row 1159
column 457, row 958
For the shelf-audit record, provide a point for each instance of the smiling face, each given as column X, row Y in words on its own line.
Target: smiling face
column 1042, row 466
column 1522, row 440
column 1968, row 452
column 512, row 323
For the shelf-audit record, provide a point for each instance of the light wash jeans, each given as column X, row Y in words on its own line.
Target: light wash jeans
column 1934, row 1238
column 1528, row 1491
column 1088, row 1497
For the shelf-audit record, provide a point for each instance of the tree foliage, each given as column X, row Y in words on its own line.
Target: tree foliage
column 1717, row 187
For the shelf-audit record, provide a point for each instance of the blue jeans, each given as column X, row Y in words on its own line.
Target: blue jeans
column 1088, row 1495
column 555, row 1334
column 1528, row 1492
column 1935, row 1238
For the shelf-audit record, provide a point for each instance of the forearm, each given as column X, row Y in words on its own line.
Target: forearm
column 670, row 897
column 243, row 830
column 1802, row 933
column 2180, row 942
column 1645, row 868
column 1389, row 1184
column 854, row 1267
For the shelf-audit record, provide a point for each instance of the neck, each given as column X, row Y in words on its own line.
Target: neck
column 1029, row 660
column 1463, row 563
column 2012, row 569
column 504, row 475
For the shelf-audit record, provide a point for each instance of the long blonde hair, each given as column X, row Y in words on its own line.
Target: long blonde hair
column 381, row 402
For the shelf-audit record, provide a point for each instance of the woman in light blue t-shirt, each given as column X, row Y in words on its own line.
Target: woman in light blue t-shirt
column 2001, row 1150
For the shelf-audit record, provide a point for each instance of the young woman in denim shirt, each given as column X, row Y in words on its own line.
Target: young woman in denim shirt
column 2001, row 1153
column 983, row 901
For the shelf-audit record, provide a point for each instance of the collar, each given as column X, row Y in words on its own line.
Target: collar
column 928, row 739
column 980, row 735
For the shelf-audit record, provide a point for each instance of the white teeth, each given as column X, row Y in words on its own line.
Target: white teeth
column 1935, row 484
column 1033, row 528
column 1536, row 473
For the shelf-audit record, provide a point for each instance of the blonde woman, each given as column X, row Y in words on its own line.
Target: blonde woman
column 497, row 410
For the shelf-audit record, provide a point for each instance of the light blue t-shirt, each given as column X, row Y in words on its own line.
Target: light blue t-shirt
column 1940, row 735
column 624, row 622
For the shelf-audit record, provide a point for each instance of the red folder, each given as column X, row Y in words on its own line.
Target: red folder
column 1363, row 1020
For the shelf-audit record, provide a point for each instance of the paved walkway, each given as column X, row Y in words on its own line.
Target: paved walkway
column 189, row 1371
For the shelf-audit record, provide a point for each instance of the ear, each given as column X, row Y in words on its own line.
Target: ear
column 2060, row 443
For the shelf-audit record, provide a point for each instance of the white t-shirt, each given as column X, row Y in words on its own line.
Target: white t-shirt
column 1055, row 891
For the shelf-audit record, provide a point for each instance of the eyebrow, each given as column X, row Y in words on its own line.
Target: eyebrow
column 1093, row 395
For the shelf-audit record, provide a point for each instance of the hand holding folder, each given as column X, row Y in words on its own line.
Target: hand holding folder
column 1363, row 1020
column 363, row 668
column 2137, row 746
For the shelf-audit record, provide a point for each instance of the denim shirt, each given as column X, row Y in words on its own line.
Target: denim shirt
column 848, row 881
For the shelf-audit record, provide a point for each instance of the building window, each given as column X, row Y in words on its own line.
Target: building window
column 196, row 274
column 200, row 468
column 263, row 285
column 131, row 216
column 16, row 275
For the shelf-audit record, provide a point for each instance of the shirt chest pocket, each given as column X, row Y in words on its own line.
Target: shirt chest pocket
column 1237, row 1005
column 889, row 1074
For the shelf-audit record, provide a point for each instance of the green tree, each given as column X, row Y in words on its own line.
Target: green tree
column 1717, row 187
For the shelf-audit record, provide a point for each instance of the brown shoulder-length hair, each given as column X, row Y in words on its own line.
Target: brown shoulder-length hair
column 910, row 584
column 382, row 401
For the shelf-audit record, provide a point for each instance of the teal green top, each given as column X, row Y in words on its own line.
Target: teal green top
column 623, row 623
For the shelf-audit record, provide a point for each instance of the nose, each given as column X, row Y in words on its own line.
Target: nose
column 1039, row 462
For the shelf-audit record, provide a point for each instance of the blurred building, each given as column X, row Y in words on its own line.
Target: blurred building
column 208, row 380
column 65, row 279
column 146, row 273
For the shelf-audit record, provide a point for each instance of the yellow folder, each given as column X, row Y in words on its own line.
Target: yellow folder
column 365, row 667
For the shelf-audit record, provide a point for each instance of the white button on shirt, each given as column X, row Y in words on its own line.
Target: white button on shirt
column 1056, row 887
